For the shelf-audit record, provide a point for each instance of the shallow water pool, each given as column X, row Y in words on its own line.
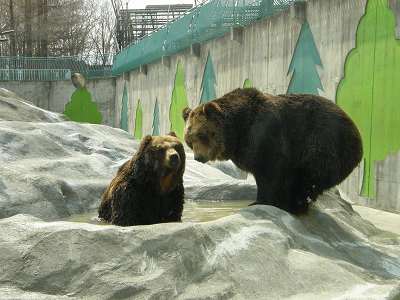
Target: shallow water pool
column 194, row 211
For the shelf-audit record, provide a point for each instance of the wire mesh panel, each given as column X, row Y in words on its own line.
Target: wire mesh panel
column 209, row 20
column 133, row 24
column 51, row 68
column 34, row 74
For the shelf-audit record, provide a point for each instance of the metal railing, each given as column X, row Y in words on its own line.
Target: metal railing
column 51, row 68
column 34, row 75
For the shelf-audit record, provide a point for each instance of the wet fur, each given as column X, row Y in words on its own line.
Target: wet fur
column 139, row 193
column 296, row 146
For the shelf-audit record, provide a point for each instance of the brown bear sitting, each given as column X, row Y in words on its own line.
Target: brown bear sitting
column 148, row 188
column 296, row 146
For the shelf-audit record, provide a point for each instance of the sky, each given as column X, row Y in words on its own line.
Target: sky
column 143, row 3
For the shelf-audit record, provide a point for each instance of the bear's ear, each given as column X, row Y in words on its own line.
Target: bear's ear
column 185, row 113
column 212, row 108
column 172, row 133
column 146, row 141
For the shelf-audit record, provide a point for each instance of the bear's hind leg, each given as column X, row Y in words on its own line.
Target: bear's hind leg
column 302, row 194
column 299, row 202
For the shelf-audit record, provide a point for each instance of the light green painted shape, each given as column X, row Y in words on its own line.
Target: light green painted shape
column 124, row 110
column 156, row 119
column 247, row 84
column 370, row 89
column 138, row 133
column 305, row 78
column 178, row 102
column 208, row 82
column 81, row 108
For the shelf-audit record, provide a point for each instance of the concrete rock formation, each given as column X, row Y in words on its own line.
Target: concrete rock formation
column 260, row 253
column 13, row 108
column 51, row 169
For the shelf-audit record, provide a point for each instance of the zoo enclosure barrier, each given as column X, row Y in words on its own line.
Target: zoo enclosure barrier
column 209, row 20
column 21, row 68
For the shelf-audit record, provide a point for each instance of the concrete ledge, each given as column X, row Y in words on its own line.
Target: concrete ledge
column 382, row 219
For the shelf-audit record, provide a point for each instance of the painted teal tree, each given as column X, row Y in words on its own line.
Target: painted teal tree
column 138, row 133
column 81, row 108
column 208, row 82
column 178, row 102
column 305, row 78
column 156, row 119
column 123, row 124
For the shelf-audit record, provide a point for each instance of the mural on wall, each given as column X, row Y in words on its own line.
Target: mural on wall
column 247, row 84
column 370, row 89
column 81, row 108
column 305, row 78
column 208, row 82
column 178, row 102
column 156, row 119
column 138, row 133
column 123, row 124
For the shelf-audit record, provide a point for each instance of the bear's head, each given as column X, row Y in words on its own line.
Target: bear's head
column 160, row 160
column 204, row 132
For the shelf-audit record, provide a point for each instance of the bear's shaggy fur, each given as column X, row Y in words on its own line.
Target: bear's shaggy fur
column 148, row 188
column 296, row 146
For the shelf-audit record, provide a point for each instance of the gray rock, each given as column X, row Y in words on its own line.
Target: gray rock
column 14, row 108
column 229, row 168
column 53, row 168
column 261, row 252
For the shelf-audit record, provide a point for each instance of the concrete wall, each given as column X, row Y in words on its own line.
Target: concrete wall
column 263, row 56
column 53, row 95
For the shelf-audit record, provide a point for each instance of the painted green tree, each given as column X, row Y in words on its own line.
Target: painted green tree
column 156, row 119
column 370, row 88
column 81, row 108
column 247, row 84
column 208, row 82
column 178, row 102
column 138, row 133
column 123, row 124
column 305, row 78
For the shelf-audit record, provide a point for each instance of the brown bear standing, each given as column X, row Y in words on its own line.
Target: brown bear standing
column 296, row 146
column 148, row 188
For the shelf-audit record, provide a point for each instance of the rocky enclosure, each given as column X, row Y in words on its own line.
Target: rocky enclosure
column 51, row 168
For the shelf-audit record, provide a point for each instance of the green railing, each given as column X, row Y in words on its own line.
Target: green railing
column 51, row 68
column 209, row 20
column 34, row 75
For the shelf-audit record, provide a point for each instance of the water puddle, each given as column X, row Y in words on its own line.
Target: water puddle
column 194, row 211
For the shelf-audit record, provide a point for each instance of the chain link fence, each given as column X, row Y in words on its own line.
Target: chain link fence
column 209, row 20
